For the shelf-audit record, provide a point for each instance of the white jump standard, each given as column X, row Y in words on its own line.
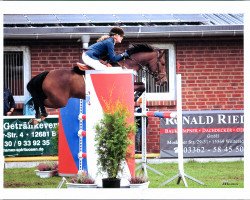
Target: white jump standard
column 181, row 175
column 144, row 165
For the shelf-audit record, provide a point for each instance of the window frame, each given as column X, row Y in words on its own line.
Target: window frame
column 171, row 94
column 26, row 69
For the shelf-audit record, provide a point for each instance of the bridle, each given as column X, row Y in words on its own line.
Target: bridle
column 146, row 69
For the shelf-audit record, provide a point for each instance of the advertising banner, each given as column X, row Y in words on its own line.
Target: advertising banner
column 205, row 134
column 23, row 139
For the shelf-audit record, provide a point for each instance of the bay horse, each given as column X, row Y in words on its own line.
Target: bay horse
column 53, row 88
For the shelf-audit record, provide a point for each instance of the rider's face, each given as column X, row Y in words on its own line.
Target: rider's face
column 118, row 38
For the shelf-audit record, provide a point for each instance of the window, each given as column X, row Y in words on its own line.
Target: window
column 166, row 92
column 17, row 71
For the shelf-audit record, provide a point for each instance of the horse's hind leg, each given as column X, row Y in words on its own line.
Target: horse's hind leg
column 39, row 107
column 36, row 107
column 35, row 100
column 56, row 102
column 42, row 108
column 35, row 89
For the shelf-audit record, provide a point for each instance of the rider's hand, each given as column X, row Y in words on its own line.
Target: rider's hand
column 125, row 54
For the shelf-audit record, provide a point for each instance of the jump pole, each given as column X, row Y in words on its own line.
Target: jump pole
column 181, row 174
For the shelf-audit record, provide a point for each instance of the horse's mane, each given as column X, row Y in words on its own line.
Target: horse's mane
column 136, row 48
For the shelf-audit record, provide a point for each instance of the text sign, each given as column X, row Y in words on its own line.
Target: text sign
column 205, row 134
column 23, row 139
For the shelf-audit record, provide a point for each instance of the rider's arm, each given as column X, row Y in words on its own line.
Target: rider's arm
column 111, row 53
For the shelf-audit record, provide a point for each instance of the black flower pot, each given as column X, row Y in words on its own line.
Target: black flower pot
column 111, row 182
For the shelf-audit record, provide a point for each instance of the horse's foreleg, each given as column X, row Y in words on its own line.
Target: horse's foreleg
column 139, row 88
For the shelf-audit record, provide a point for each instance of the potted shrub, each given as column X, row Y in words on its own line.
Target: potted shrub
column 47, row 169
column 112, row 140
column 82, row 180
column 139, row 182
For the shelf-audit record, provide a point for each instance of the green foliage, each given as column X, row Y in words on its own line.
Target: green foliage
column 112, row 139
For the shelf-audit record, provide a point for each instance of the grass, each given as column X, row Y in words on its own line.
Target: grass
column 26, row 178
column 213, row 174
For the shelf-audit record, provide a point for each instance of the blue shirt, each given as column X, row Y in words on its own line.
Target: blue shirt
column 104, row 48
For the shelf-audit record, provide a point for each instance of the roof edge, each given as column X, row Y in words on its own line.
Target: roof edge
column 131, row 32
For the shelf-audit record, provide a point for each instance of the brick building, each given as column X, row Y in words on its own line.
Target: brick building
column 207, row 47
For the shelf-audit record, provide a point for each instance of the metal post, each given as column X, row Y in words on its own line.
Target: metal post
column 144, row 126
column 181, row 175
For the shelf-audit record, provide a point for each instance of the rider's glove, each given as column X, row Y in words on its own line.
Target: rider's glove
column 125, row 54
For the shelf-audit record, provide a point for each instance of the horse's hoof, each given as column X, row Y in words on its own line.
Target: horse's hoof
column 34, row 121
column 30, row 121
column 43, row 117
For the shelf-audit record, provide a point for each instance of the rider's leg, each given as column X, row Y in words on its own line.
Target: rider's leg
column 93, row 63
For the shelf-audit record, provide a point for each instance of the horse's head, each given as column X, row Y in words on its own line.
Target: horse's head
column 153, row 59
column 158, row 67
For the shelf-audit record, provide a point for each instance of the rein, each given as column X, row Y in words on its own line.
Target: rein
column 154, row 74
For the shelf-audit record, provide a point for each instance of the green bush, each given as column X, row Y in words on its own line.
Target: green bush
column 112, row 137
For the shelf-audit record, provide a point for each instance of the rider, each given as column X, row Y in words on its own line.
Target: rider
column 104, row 47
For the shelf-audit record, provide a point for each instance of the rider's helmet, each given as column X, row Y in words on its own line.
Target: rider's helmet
column 116, row 30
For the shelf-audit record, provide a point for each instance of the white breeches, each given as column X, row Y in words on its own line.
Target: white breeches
column 93, row 63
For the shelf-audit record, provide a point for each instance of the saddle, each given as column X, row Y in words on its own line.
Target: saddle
column 83, row 66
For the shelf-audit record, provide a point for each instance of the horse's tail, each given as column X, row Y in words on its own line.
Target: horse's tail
column 34, row 86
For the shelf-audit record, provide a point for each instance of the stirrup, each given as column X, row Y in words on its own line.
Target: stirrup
column 83, row 67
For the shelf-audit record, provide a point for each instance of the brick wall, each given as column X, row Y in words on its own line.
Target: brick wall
column 50, row 56
column 212, row 74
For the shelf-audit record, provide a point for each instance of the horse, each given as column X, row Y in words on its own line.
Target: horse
column 53, row 88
